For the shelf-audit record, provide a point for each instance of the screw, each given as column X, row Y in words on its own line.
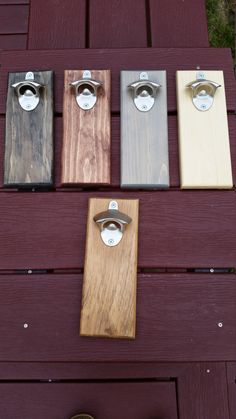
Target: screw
column 26, row 325
column 144, row 107
column 212, row 270
column 143, row 76
column 86, row 105
column 220, row 324
column 110, row 241
column 208, row 371
column 113, row 204
column 29, row 271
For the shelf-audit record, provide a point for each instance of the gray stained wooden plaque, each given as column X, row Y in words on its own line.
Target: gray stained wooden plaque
column 29, row 133
column 144, row 136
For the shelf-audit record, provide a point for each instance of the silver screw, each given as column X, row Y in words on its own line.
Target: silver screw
column 144, row 107
column 110, row 241
column 86, row 105
column 212, row 270
column 203, row 106
column 220, row 324
column 87, row 74
column 29, row 271
column 143, row 76
column 113, row 204
column 208, row 371
column 26, row 325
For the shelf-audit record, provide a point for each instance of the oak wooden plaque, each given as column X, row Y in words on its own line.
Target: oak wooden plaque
column 204, row 148
column 110, row 276
column 86, row 133
column 29, row 130
column 144, row 135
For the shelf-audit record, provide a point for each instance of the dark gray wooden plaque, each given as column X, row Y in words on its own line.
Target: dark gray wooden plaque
column 144, row 136
column 29, row 135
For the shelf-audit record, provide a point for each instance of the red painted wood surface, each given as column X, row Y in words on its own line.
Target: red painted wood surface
column 115, row 179
column 13, row 41
column 176, row 229
column 7, row 2
column 117, row 24
column 116, row 60
column 231, row 375
column 13, row 19
column 201, row 387
column 205, row 388
column 102, row 400
column 179, row 23
column 57, row 24
column 172, row 325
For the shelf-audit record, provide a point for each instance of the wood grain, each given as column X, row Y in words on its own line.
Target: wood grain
column 198, row 390
column 201, row 226
column 115, row 149
column 102, row 400
column 178, row 23
column 177, row 320
column 204, row 148
column 86, row 134
column 202, row 390
column 124, row 24
column 231, row 378
column 110, row 277
column 57, row 24
column 170, row 59
column 13, row 41
column 29, row 136
column 14, row 19
column 144, row 136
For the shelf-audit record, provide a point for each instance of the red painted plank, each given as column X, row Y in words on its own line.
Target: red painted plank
column 57, row 24
column 203, row 392
column 231, row 375
column 13, row 42
column 177, row 320
column 117, row 24
column 115, row 178
column 14, row 19
column 6, row 2
column 117, row 60
column 178, row 23
column 102, row 400
column 177, row 229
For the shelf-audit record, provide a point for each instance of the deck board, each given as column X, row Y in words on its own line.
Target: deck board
column 177, row 320
column 14, row 19
column 177, row 229
column 57, row 24
column 178, row 23
column 117, row 24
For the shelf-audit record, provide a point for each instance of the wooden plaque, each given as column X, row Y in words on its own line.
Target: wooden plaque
column 29, row 135
column 144, row 136
column 204, row 148
column 86, row 133
column 110, row 276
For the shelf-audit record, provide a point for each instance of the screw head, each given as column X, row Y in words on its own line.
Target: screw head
column 220, row 324
column 26, row 325
column 111, row 241
column 113, row 204
column 212, row 270
column 203, row 106
column 144, row 107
